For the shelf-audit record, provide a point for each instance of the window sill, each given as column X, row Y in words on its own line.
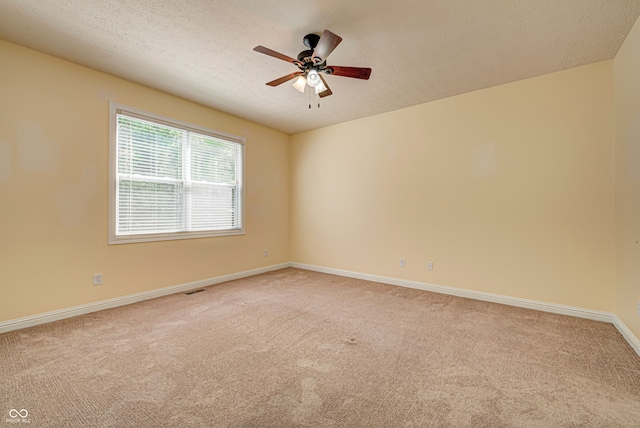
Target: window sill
column 131, row 239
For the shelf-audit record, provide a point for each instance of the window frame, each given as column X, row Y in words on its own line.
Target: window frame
column 117, row 108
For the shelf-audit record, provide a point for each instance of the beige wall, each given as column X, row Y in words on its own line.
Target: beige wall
column 627, row 154
column 54, row 191
column 508, row 190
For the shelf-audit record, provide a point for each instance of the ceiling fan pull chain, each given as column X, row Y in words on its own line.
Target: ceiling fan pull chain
column 309, row 97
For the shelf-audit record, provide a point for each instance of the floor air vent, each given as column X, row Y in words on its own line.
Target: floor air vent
column 194, row 291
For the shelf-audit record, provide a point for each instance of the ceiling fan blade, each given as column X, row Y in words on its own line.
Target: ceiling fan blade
column 283, row 79
column 355, row 72
column 327, row 91
column 327, row 43
column 274, row 54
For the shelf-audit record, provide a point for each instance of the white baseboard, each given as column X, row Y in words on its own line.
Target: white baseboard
column 627, row 334
column 470, row 294
column 591, row 314
column 46, row 317
column 489, row 297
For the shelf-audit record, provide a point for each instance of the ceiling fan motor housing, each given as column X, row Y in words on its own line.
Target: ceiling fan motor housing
column 306, row 63
column 305, row 56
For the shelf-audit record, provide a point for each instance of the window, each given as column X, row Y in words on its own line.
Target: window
column 172, row 180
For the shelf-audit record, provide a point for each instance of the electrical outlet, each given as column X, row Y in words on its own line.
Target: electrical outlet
column 265, row 253
column 403, row 262
column 430, row 265
column 97, row 279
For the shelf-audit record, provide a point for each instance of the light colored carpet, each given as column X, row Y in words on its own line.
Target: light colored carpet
column 300, row 348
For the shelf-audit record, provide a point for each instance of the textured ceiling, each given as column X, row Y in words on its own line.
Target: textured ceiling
column 419, row 50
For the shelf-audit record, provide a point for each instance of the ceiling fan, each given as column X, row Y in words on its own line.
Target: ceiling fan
column 313, row 63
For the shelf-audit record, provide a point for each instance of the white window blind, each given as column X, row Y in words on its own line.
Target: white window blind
column 174, row 181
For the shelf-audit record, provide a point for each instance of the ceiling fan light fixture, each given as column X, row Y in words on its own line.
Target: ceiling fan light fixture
column 313, row 78
column 312, row 62
column 300, row 83
column 320, row 87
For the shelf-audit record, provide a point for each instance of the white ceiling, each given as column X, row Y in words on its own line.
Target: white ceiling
column 419, row 50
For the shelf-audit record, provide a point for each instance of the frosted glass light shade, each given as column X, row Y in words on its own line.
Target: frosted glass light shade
column 300, row 83
column 313, row 78
column 320, row 87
